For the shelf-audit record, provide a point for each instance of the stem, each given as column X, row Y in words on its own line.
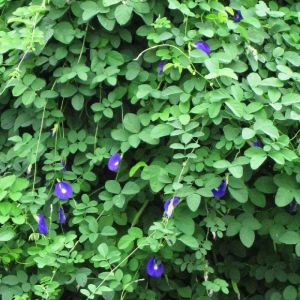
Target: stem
column 84, row 38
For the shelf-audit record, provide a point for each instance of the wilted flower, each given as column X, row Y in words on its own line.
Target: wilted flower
column 292, row 207
column 54, row 129
column 42, row 225
column 29, row 169
column 257, row 143
column 203, row 46
column 154, row 269
column 26, row 55
column 64, row 165
column 170, row 204
column 237, row 15
column 161, row 66
column 63, row 190
column 114, row 162
column 220, row 191
column 61, row 216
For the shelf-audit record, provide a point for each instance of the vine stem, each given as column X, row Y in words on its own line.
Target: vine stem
column 39, row 141
column 17, row 69
column 115, row 268
column 178, row 49
column 81, row 51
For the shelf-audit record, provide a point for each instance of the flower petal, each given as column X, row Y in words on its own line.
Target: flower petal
column 114, row 162
column 220, row 191
column 161, row 66
column 42, row 225
column 154, row 269
column 61, row 216
column 203, row 46
column 170, row 204
column 257, row 143
column 63, row 190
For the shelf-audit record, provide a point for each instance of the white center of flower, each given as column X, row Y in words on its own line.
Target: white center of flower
column 116, row 163
column 170, row 208
column 155, row 267
column 62, row 189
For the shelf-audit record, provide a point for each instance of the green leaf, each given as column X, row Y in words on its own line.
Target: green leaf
column 272, row 81
column 130, row 188
column 189, row 241
column 193, row 201
column 108, row 231
column 172, row 90
column 28, row 97
column 240, row 195
column 236, row 171
column 77, row 101
column 114, row 58
column 221, row 164
column 267, row 127
column 125, row 242
column 103, row 249
column 7, row 181
column 290, row 293
column 248, row 133
column 161, row 130
column 283, row 197
column 123, row 13
column 132, row 123
column 291, row 98
column 143, row 90
column 247, row 237
column 110, row 2
column 113, row 186
column 64, row 32
column 290, row 238
column 90, row 9
column 6, row 234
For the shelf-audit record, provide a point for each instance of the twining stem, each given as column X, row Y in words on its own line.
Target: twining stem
column 175, row 47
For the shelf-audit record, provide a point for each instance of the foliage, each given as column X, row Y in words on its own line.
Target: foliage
column 80, row 82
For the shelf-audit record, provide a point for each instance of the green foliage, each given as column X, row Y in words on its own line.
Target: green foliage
column 80, row 81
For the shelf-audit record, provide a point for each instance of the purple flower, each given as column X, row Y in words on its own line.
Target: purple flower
column 170, row 205
column 42, row 225
column 257, row 143
column 63, row 190
column 292, row 207
column 154, row 269
column 220, row 191
column 61, row 216
column 203, row 46
column 114, row 162
column 160, row 66
column 237, row 16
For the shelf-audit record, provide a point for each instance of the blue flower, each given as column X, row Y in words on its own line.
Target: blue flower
column 292, row 207
column 161, row 66
column 63, row 190
column 61, row 216
column 114, row 162
column 237, row 16
column 154, row 269
column 203, row 46
column 170, row 205
column 220, row 191
column 257, row 143
column 42, row 225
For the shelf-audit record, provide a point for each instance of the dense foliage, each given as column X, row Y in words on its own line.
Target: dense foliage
column 149, row 149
